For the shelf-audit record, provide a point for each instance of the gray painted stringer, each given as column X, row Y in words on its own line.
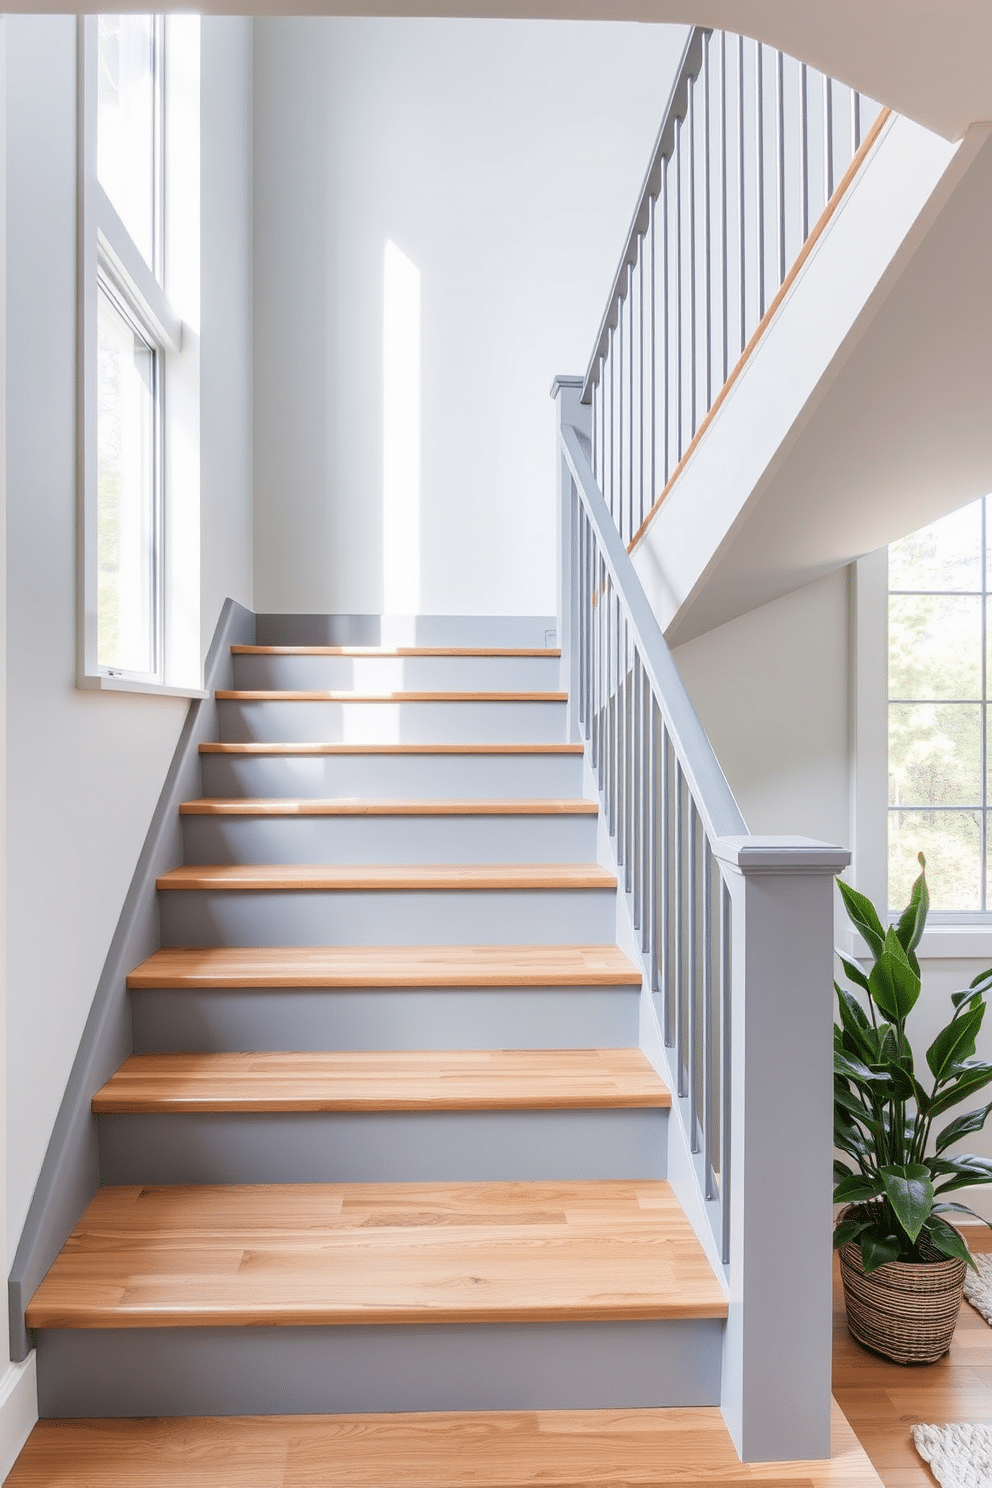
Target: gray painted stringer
column 70, row 1173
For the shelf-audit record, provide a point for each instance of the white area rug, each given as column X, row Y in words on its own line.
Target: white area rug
column 978, row 1289
column 959, row 1456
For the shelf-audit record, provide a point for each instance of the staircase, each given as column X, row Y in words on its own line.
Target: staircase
column 386, row 1142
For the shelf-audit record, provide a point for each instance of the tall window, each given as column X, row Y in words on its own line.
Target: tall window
column 130, row 352
column 129, row 129
column 129, row 485
column 939, row 714
column 138, row 384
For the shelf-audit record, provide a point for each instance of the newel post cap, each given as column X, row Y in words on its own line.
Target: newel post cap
column 780, row 855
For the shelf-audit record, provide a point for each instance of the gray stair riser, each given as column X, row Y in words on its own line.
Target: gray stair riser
column 468, row 917
column 400, row 673
column 228, row 1019
column 383, row 1147
column 290, row 1370
column 405, row 630
column 244, row 722
column 395, row 777
column 389, row 839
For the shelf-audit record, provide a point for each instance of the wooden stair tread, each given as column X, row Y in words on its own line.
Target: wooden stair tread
column 680, row 1447
column 216, row 747
column 396, row 651
column 387, row 966
column 409, row 1080
column 363, row 806
column 294, row 695
column 358, row 1253
column 370, row 877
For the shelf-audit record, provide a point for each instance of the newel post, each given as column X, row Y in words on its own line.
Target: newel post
column 776, row 1372
column 567, row 392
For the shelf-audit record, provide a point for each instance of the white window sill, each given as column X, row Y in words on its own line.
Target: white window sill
column 100, row 682
column 939, row 943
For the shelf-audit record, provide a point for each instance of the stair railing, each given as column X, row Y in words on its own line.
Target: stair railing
column 753, row 155
column 736, row 937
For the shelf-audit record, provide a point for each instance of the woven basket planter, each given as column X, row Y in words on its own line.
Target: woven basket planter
column 905, row 1311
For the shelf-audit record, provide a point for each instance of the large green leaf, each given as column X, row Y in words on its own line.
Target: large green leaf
column 981, row 978
column 888, row 1045
column 863, row 916
column 956, row 1042
column 853, row 971
column 841, row 1170
column 948, row 1240
column 857, row 1108
column 966, row 1171
column 906, row 1087
column 849, row 1229
column 962, row 1126
column 961, row 1209
column 856, row 1026
column 968, row 1078
column 879, row 1245
column 894, row 984
column 858, row 1190
column 850, row 1140
column 909, row 1189
column 964, row 1163
column 850, row 1068
column 914, row 916
column 895, row 947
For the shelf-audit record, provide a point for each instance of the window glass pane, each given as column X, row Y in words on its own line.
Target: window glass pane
column 126, row 494
column 945, row 555
column 935, row 647
column 126, row 129
column 951, row 841
column 935, row 754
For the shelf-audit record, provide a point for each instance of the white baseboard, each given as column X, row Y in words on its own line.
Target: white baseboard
column 18, row 1410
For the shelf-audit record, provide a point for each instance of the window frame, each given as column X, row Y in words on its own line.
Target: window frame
column 967, row 936
column 107, row 251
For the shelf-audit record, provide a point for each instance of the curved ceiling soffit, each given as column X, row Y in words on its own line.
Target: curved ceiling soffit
column 928, row 59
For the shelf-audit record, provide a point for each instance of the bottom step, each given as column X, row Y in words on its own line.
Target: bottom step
column 282, row 1298
column 545, row 1449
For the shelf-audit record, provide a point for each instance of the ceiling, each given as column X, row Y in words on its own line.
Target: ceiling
column 929, row 59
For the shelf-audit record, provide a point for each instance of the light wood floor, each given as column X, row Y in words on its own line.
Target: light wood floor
column 882, row 1401
column 525, row 1449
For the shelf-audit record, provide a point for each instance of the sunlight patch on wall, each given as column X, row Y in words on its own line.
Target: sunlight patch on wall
column 400, row 434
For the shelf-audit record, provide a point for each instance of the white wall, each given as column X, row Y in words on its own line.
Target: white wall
column 85, row 769
column 503, row 160
column 18, row 1393
column 226, row 286
column 771, row 690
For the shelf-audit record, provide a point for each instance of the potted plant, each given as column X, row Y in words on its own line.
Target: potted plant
column 903, row 1265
